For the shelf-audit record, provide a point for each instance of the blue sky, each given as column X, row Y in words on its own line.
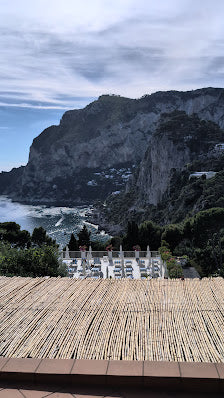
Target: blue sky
column 59, row 55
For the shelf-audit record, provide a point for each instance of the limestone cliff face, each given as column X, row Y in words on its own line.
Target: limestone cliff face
column 88, row 157
column 95, row 150
column 179, row 140
column 162, row 156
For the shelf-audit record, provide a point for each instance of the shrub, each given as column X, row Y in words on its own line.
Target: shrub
column 176, row 272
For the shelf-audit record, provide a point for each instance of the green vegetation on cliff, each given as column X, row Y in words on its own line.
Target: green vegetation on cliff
column 199, row 135
column 183, row 195
column 186, row 196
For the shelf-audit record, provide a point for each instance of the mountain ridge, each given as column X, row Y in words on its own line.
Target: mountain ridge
column 94, row 151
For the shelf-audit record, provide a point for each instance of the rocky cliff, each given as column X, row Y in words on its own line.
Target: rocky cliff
column 95, row 150
column 161, row 188
column 179, row 140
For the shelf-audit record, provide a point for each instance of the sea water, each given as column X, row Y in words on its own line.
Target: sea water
column 59, row 222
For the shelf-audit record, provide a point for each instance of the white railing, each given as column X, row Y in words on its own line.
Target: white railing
column 66, row 254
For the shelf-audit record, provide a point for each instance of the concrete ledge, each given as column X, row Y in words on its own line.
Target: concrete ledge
column 125, row 373
column 167, row 372
column 85, row 371
column 196, row 375
column 19, row 369
column 182, row 376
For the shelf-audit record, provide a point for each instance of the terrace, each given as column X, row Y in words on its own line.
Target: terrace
column 67, row 338
column 136, row 265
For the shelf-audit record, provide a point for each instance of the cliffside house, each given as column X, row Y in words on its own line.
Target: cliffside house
column 198, row 174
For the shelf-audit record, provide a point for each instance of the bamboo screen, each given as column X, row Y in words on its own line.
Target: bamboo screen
column 161, row 320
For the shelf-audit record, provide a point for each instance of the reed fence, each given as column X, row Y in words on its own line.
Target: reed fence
column 160, row 320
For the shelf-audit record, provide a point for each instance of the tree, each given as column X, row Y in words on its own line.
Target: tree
column 203, row 257
column 23, row 239
column 173, row 234
column 175, row 272
column 10, row 232
column 217, row 251
column 116, row 241
column 73, row 244
column 33, row 262
column 40, row 238
column 10, row 226
column 132, row 236
column 98, row 246
column 205, row 224
column 84, row 237
column 150, row 234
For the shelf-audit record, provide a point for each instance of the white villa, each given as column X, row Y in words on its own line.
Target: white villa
column 219, row 147
column 198, row 174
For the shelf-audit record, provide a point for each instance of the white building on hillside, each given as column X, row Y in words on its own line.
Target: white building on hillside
column 198, row 174
column 219, row 147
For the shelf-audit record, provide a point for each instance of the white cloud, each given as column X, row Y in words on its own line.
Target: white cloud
column 29, row 105
column 61, row 55
column 52, row 50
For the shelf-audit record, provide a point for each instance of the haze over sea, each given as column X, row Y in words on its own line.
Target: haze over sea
column 59, row 222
